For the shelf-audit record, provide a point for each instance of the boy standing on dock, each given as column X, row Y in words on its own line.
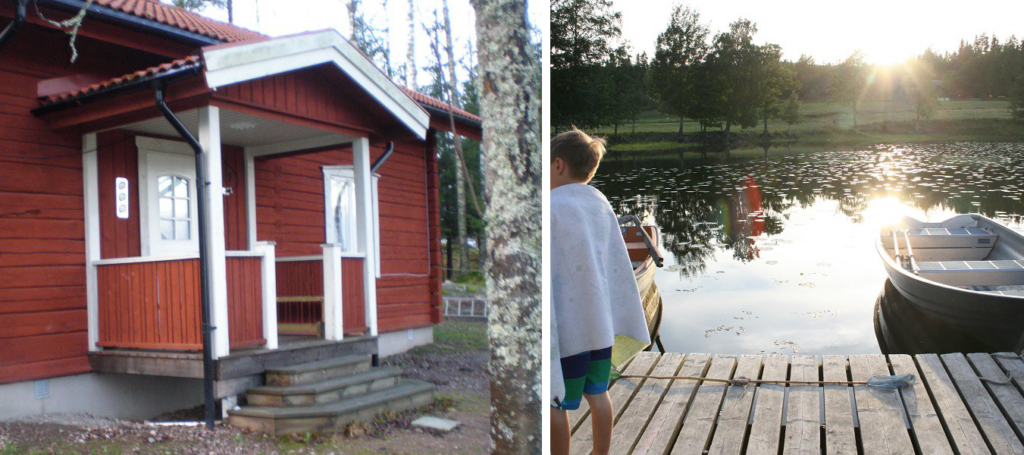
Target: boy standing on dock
column 594, row 295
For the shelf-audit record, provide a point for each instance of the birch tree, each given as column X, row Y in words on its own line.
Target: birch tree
column 460, row 174
column 410, row 55
column 508, row 85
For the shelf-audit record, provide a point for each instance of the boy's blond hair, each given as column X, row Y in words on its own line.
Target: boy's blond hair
column 580, row 152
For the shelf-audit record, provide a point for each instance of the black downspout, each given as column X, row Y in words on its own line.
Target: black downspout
column 20, row 9
column 380, row 161
column 375, row 359
column 204, row 258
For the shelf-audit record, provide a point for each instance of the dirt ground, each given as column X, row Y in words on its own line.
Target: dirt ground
column 456, row 364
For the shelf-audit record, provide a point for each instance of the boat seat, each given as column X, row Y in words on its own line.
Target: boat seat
column 971, row 237
column 973, row 273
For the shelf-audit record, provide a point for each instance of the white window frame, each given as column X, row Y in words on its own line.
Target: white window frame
column 329, row 226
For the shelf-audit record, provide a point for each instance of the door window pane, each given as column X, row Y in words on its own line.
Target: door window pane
column 166, row 229
column 181, row 230
column 175, row 208
column 166, row 208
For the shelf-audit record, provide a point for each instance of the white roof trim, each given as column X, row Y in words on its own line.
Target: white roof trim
column 231, row 64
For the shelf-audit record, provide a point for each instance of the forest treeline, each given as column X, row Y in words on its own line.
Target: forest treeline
column 727, row 79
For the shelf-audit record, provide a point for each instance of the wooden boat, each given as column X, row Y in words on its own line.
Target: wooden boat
column 644, row 248
column 966, row 272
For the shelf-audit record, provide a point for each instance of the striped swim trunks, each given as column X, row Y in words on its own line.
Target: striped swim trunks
column 586, row 372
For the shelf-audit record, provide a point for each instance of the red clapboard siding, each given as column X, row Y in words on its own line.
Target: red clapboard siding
column 118, row 157
column 245, row 302
column 434, row 222
column 352, row 303
column 233, row 170
column 322, row 93
column 152, row 305
column 42, row 277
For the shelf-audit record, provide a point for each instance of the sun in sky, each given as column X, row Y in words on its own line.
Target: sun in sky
column 887, row 31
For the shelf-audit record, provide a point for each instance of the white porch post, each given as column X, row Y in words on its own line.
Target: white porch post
column 268, row 269
column 209, row 138
column 250, row 197
column 365, row 231
column 91, row 192
column 334, row 321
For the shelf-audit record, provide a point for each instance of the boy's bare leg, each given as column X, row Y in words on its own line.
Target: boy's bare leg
column 601, row 416
column 559, row 432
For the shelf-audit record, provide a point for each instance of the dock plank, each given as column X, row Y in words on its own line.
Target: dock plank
column 1007, row 396
column 661, row 432
column 990, row 419
column 695, row 435
column 767, row 427
column 637, row 414
column 879, row 410
column 966, row 437
column 928, row 432
column 1013, row 365
column 840, row 437
column 803, row 418
column 582, row 442
column 732, row 424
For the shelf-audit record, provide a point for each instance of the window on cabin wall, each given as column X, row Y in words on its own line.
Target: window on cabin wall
column 175, row 208
column 340, row 210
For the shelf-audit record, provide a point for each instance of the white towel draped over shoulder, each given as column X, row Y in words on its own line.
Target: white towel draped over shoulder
column 593, row 290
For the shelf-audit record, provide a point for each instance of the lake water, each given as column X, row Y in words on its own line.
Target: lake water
column 772, row 251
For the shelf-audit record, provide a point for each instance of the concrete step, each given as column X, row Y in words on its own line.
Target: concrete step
column 409, row 394
column 327, row 391
column 309, row 373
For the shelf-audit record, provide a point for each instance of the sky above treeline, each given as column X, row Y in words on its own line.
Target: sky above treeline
column 286, row 17
column 888, row 31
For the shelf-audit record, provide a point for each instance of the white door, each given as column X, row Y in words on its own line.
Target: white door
column 169, row 221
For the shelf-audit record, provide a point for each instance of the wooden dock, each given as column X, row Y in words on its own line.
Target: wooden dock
column 968, row 404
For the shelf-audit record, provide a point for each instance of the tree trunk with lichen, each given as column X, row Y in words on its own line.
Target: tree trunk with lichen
column 508, row 81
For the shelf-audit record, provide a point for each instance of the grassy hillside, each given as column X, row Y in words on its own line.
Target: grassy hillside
column 881, row 120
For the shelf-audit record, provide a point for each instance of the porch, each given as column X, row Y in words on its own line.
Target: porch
column 304, row 262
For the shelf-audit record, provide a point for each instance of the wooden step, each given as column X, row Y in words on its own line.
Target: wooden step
column 308, row 373
column 323, row 392
column 409, row 394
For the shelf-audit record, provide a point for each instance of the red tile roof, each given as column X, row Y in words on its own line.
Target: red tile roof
column 438, row 104
column 179, row 18
column 120, row 80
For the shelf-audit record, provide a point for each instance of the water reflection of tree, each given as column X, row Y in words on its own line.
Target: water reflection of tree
column 694, row 224
column 678, row 193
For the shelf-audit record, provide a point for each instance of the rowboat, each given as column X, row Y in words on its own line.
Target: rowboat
column 966, row 272
column 644, row 246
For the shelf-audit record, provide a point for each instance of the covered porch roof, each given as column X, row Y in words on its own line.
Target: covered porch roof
column 312, row 87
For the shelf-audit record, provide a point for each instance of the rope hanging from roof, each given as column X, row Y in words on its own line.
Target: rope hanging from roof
column 69, row 26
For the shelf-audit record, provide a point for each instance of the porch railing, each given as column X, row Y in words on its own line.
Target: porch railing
column 301, row 293
column 154, row 303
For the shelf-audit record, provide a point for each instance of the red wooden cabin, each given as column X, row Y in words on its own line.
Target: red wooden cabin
column 98, row 215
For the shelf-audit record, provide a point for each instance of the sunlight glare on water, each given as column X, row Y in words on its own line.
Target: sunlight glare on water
column 773, row 251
